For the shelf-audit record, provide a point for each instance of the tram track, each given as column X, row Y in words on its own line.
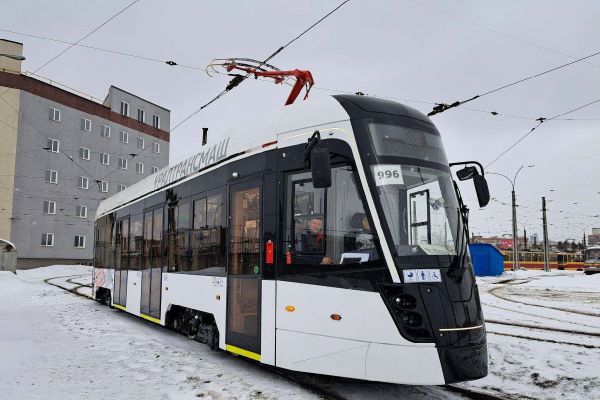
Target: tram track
column 537, row 339
column 539, row 316
column 69, row 280
column 521, row 325
column 494, row 293
column 307, row 381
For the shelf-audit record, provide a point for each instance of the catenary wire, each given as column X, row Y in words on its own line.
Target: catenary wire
column 493, row 112
column 87, row 35
column 276, row 52
column 116, row 52
column 541, row 121
column 441, row 107
column 487, row 28
column 56, row 57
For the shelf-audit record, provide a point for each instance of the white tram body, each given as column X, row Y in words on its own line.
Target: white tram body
column 222, row 246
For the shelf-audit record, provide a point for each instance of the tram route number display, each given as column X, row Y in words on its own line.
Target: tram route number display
column 388, row 174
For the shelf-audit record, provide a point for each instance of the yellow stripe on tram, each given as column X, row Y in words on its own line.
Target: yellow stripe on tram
column 242, row 352
column 151, row 319
column 120, row 307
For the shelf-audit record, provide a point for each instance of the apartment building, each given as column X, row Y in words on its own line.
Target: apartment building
column 61, row 153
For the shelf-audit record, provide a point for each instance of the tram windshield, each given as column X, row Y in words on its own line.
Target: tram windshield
column 415, row 190
column 592, row 255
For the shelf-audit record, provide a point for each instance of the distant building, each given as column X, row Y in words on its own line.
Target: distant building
column 500, row 242
column 61, row 154
column 594, row 238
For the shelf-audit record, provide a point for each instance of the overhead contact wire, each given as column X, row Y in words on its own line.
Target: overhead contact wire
column 441, row 107
column 240, row 79
column 541, row 121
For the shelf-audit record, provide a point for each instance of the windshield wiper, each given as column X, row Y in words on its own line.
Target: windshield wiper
column 462, row 241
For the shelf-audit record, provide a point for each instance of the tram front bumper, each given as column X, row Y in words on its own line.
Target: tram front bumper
column 461, row 364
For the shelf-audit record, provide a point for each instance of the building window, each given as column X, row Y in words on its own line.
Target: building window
column 139, row 168
column 53, row 145
column 124, row 137
column 47, row 239
column 49, row 207
column 104, row 158
column 156, row 148
column 120, row 188
column 51, row 176
column 141, row 115
column 84, row 153
column 104, row 186
column 83, row 182
column 123, row 163
column 105, row 131
column 124, row 109
column 154, row 170
column 140, row 143
column 80, row 241
column 81, row 211
column 54, row 114
column 155, row 121
column 86, row 125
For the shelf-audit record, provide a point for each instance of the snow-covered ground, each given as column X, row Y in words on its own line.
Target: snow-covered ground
column 544, row 343
column 55, row 345
column 543, row 335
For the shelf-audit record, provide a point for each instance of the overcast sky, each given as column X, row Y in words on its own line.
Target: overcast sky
column 399, row 48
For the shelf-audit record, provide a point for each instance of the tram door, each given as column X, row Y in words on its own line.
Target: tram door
column 243, row 282
column 152, row 264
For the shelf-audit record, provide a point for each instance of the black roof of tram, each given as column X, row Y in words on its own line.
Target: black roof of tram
column 359, row 106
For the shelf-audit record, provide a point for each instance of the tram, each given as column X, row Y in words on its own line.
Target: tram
column 535, row 260
column 592, row 256
column 327, row 237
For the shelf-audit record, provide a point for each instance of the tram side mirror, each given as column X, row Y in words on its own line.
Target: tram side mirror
column 481, row 188
column 320, row 167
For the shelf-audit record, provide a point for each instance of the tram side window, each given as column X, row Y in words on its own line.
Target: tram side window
column 102, row 242
column 121, row 244
column 147, row 239
column 136, row 241
column 157, row 231
column 112, row 244
column 327, row 226
column 178, row 234
column 207, row 237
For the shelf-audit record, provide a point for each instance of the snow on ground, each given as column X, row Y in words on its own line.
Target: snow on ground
column 542, row 358
column 56, row 345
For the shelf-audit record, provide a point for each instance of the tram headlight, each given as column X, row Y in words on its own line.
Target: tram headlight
column 404, row 302
column 411, row 319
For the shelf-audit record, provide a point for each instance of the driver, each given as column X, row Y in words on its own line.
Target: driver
column 313, row 242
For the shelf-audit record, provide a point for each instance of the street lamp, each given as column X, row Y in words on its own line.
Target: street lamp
column 13, row 56
column 514, row 215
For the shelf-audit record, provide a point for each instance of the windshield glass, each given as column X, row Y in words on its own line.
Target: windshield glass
column 592, row 255
column 415, row 190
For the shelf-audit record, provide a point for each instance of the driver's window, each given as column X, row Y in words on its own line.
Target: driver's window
column 327, row 226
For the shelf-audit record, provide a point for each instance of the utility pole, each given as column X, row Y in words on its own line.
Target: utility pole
column 515, row 232
column 545, row 223
column 525, row 239
column 514, row 215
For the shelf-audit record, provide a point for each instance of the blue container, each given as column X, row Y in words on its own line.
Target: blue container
column 487, row 260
